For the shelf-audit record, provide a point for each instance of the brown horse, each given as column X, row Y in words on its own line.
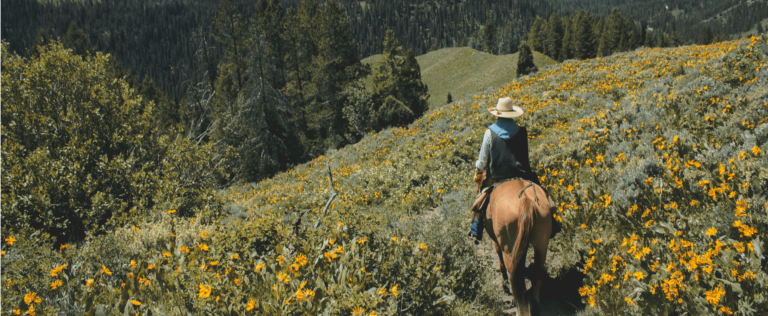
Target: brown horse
column 519, row 213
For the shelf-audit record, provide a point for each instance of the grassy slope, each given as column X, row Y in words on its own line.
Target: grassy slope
column 606, row 136
column 463, row 71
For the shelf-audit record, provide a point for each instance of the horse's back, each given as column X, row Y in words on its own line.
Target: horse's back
column 504, row 211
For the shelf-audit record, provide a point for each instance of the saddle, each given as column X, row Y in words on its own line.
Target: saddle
column 481, row 202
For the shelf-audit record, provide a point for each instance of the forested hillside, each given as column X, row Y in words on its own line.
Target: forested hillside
column 157, row 39
column 656, row 158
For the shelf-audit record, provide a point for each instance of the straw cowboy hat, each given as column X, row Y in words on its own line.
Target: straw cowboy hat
column 505, row 109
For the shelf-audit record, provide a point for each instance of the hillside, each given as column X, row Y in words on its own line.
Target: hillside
column 462, row 71
column 657, row 158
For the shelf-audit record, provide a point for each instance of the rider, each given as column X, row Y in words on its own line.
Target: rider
column 504, row 155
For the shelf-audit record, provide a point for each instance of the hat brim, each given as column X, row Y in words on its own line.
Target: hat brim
column 516, row 112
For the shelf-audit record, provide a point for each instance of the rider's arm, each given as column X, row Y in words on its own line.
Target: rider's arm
column 485, row 153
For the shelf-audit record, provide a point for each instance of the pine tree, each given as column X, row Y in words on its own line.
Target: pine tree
column 490, row 34
column 449, row 99
column 611, row 36
column 232, row 30
column 399, row 95
column 582, row 37
column 674, row 37
column 76, row 40
column 648, row 41
column 269, row 24
column 567, row 50
column 721, row 38
column 537, row 35
column 508, row 38
column 555, row 37
column 661, row 39
column 643, row 34
column 705, row 37
column 760, row 29
column 300, row 48
column 525, row 63
column 630, row 35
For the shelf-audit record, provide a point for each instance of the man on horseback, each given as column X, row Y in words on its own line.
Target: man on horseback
column 503, row 157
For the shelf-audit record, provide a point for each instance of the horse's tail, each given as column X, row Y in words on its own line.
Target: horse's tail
column 525, row 226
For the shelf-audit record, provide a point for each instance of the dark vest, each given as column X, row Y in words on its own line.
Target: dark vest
column 509, row 158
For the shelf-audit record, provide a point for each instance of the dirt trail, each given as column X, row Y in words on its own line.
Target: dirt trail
column 559, row 296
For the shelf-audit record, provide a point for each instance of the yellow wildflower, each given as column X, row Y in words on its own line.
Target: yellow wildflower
column 358, row 311
column 205, row 291
column 251, row 305
column 394, row 290
column 301, row 259
column 89, row 283
column 32, row 297
column 10, row 240
column 284, row 278
column 711, row 231
column 103, row 268
column 135, row 303
column 713, row 297
column 57, row 270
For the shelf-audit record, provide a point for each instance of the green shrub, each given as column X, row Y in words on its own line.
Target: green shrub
column 80, row 155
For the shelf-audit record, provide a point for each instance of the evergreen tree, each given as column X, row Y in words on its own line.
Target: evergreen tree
column 674, row 37
column 525, row 63
column 630, row 35
column 582, row 37
column 555, row 37
column 567, row 51
column 648, row 41
column 449, row 99
column 508, row 36
column 232, row 30
column 490, row 34
column 269, row 25
column 166, row 113
column 760, row 29
column 537, row 35
column 42, row 39
column 399, row 96
column 721, row 38
column 334, row 68
column 611, row 36
column 300, row 49
column 661, row 39
column 76, row 40
column 643, row 34
column 705, row 37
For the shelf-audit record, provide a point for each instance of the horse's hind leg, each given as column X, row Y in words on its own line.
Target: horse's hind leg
column 537, row 272
column 503, row 269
